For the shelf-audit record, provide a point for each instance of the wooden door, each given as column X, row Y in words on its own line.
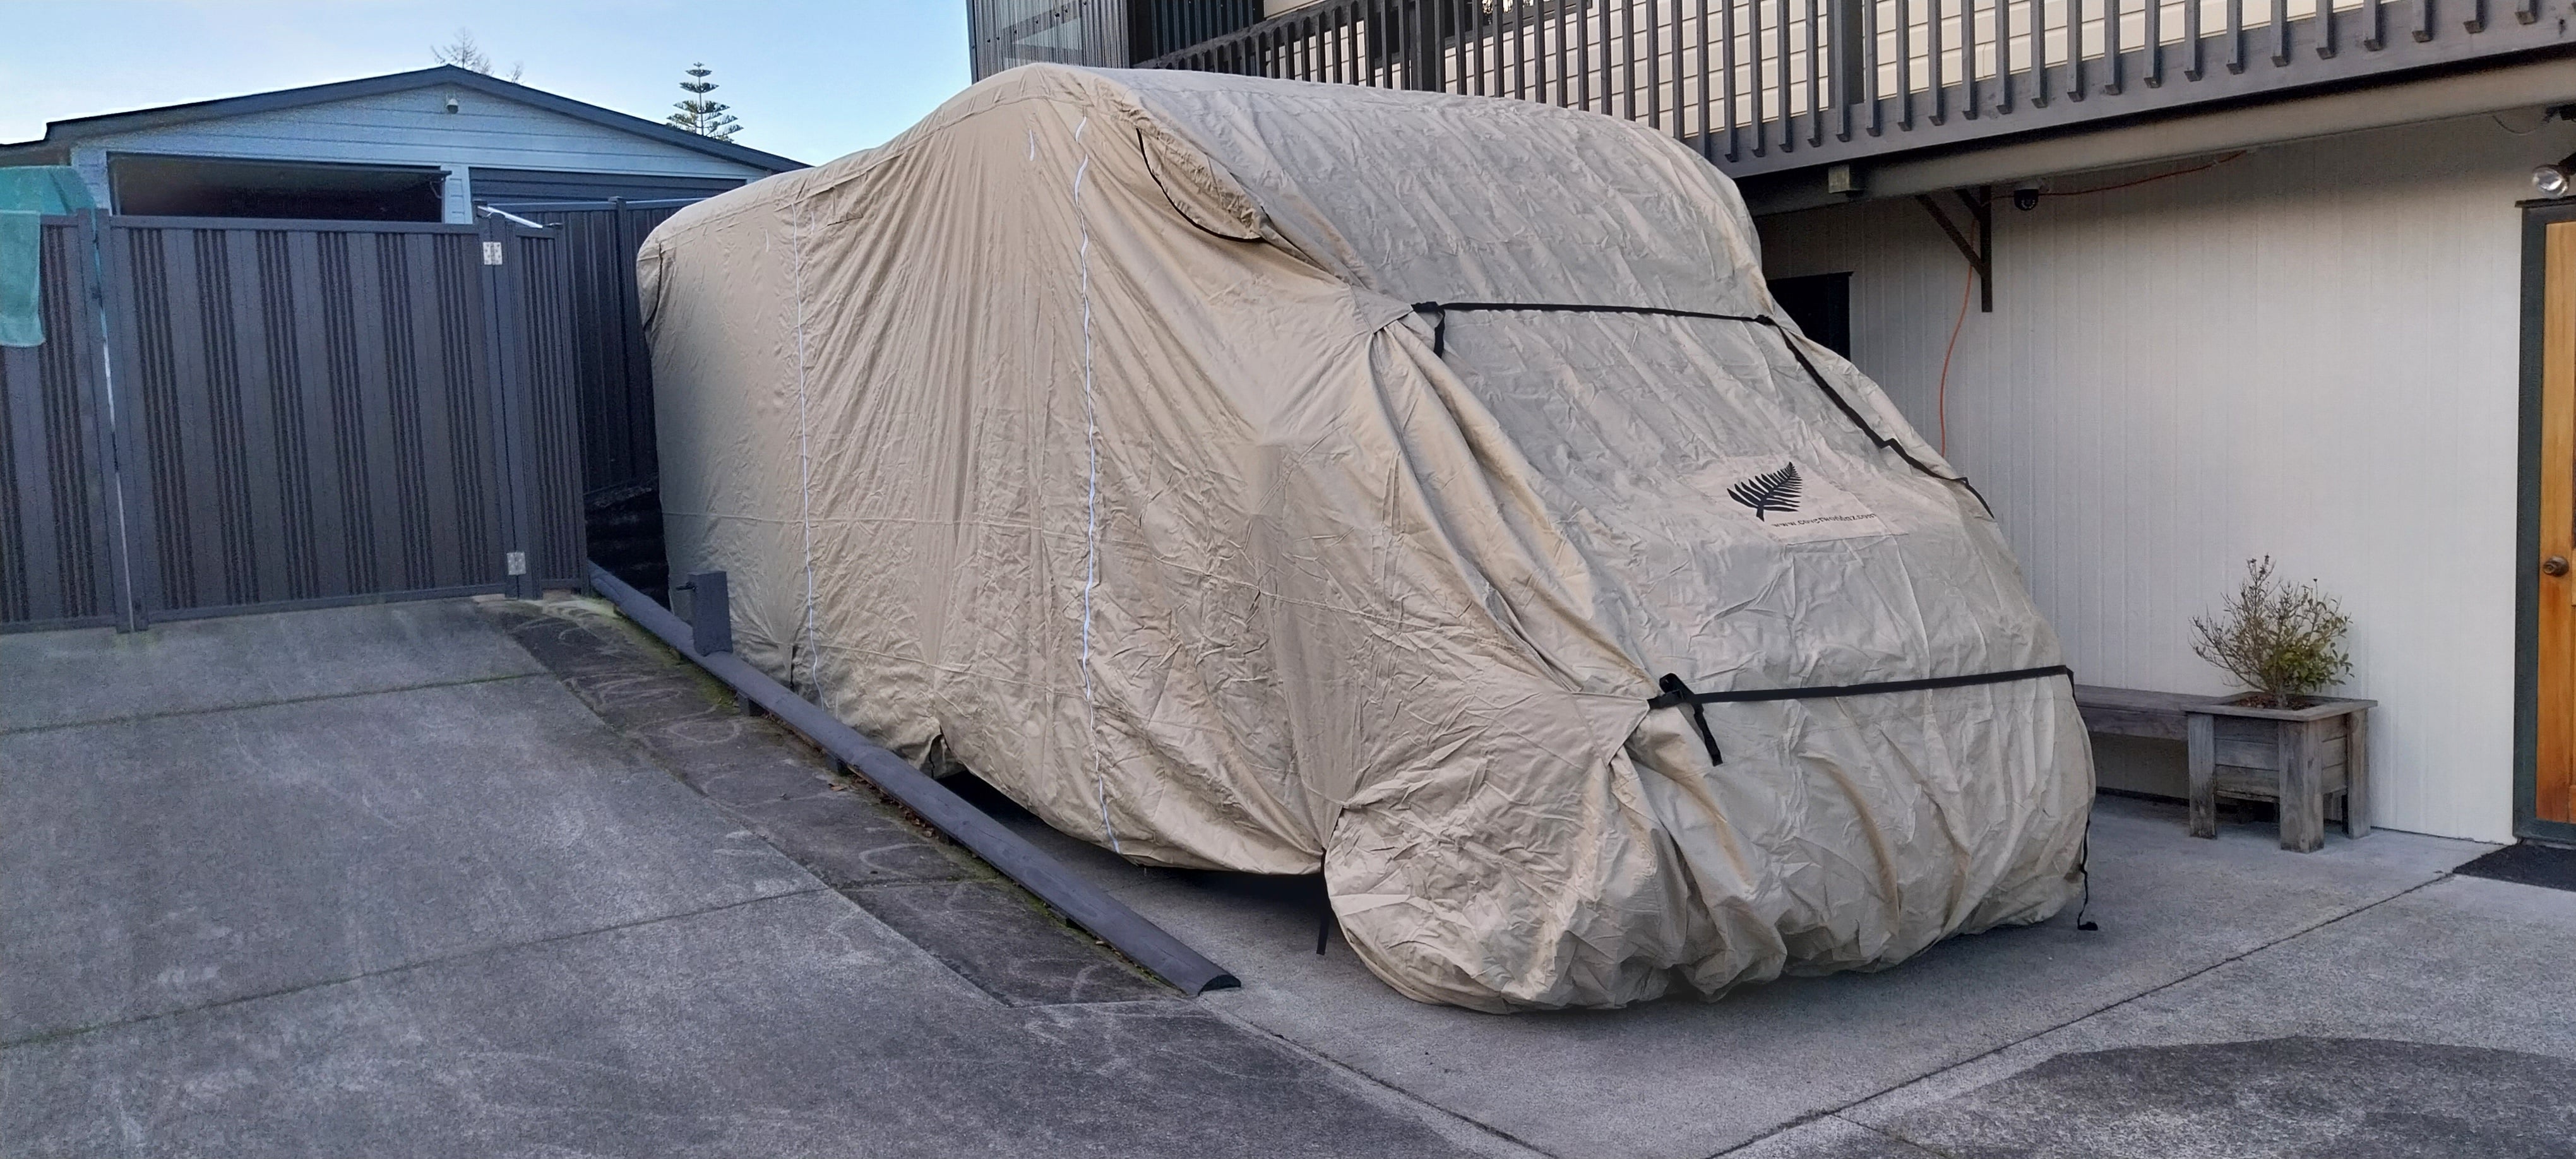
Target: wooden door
column 2554, row 772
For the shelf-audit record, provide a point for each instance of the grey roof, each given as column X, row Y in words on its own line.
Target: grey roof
column 61, row 135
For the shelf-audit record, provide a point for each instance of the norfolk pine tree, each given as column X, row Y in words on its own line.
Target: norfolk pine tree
column 700, row 113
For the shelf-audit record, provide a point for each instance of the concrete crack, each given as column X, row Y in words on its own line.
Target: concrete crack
column 440, row 960
column 278, row 702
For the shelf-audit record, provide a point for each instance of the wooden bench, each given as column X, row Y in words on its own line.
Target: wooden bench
column 2229, row 755
column 2135, row 711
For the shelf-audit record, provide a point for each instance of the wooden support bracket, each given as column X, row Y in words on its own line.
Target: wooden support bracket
column 1981, row 252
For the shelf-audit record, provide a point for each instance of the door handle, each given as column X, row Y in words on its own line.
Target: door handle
column 2554, row 565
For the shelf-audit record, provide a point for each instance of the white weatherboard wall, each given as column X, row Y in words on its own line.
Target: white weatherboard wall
column 414, row 128
column 2310, row 352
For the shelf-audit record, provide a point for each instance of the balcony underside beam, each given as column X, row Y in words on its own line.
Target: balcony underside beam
column 2536, row 84
column 1981, row 252
column 1775, row 95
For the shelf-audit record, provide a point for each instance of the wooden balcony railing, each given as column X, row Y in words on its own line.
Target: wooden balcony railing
column 1763, row 86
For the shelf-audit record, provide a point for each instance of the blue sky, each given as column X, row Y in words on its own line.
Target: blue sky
column 809, row 80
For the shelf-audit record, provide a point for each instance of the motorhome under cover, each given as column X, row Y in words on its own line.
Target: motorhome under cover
column 1278, row 477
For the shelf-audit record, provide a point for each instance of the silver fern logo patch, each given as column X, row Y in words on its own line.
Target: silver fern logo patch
column 1769, row 491
column 1795, row 502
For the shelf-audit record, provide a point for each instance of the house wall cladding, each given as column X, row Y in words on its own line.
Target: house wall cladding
column 303, row 413
column 507, row 187
column 414, row 127
column 2310, row 352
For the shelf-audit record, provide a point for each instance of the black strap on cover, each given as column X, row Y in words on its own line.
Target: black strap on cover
column 2083, row 860
column 1677, row 694
column 1439, row 312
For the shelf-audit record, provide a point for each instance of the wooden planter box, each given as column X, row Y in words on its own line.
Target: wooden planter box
column 2295, row 756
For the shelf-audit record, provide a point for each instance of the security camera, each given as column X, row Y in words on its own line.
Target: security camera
column 2026, row 196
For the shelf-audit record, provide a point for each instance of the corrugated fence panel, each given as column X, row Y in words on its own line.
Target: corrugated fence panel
column 56, row 560
column 556, row 542
column 305, row 413
column 313, row 411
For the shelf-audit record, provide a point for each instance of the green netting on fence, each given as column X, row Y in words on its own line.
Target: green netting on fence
column 27, row 194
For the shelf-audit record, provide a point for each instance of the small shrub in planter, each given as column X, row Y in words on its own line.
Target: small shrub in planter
column 2283, row 641
column 2278, row 741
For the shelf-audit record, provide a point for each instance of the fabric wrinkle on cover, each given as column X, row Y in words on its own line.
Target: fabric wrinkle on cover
column 1127, row 365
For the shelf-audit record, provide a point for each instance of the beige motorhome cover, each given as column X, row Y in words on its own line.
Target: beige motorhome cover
column 1089, row 432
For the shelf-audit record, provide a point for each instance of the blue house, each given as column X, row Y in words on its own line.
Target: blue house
column 411, row 146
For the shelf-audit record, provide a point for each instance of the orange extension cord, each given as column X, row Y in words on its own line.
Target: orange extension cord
column 1941, row 396
column 1941, row 401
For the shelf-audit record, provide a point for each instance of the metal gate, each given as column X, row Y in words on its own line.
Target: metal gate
column 613, row 376
column 233, row 415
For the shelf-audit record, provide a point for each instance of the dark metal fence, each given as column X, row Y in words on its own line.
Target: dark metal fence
column 237, row 415
column 612, row 372
column 1768, row 85
column 599, row 242
column 58, row 558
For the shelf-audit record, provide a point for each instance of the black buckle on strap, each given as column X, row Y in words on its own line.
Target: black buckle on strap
column 1677, row 693
column 1439, row 326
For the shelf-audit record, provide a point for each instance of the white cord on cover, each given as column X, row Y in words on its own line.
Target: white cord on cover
column 1091, row 503
column 805, row 467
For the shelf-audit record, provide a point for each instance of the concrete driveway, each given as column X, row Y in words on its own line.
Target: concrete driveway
column 2238, row 1000
column 506, row 879
column 379, row 882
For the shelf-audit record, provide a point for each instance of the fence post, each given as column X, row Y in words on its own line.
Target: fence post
column 134, row 562
column 630, row 345
column 710, row 613
column 507, row 360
